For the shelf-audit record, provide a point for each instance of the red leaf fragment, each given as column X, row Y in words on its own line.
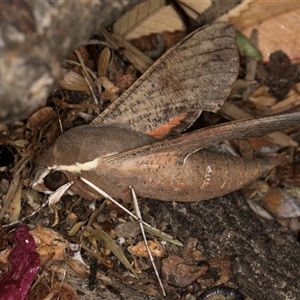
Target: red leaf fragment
column 24, row 265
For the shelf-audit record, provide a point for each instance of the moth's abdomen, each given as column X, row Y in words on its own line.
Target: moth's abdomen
column 205, row 175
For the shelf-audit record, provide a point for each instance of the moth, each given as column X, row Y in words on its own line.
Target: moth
column 137, row 141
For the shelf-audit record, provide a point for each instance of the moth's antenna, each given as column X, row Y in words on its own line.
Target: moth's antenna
column 138, row 214
column 148, row 227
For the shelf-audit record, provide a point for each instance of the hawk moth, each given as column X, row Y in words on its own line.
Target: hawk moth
column 137, row 141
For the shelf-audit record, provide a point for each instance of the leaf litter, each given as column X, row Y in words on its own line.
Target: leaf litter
column 43, row 127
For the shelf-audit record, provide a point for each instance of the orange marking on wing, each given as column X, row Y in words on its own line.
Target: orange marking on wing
column 163, row 130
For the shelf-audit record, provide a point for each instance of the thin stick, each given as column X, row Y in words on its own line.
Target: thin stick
column 27, row 217
column 90, row 88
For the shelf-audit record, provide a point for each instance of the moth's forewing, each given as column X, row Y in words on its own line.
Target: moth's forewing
column 174, row 151
column 197, row 74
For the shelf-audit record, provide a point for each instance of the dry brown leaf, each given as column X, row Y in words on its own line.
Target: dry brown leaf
column 84, row 54
column 275, row 21
column 124, row 81
column 111, row 91
column 154, row 45
column 45, row 116
column 50, row 245
column 140, row 249
column 180, row 273
column 135, row 56
column 292, row 100
column 83, row 270
column 103, row 61
column 279, row 32
column 262, row 102
column 4, row 255
column 62, row 291
column 40, row 118
column 72, row 81
column 255, row 11
column 154, row 17
column 104, row 238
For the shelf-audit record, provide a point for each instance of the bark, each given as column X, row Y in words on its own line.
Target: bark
column 264, row 255
column 35, row 36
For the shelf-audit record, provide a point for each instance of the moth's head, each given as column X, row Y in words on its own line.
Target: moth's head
column 55, row 179
column 48, row 180
column 55, row 182
column 63, row 161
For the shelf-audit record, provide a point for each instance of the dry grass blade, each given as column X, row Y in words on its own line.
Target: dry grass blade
column 13, row 186
column 103, row 237
column 15, row 206
column 135, row 56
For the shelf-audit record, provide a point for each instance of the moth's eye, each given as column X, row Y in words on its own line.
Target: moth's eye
column 55, row 180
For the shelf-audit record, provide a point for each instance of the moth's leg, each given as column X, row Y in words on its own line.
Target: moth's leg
column 55, row 197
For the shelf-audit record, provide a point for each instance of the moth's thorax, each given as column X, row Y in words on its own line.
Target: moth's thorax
column 86, row 143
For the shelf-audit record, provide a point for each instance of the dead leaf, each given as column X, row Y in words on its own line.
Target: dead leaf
column 155, row 44
column 15, row 206
column 282, row 203
column 275, row 22
column 111, row 91
column 83, row 270
column 180, row 273
column 62, row 290
column 124, row 81
column 140, row 249
column 41, row 118
column 103, row 237
column 155, row 17
column 72, row 81
column 103, row 62
column 50, row 245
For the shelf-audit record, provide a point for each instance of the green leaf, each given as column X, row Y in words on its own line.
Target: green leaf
column 246, row 48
